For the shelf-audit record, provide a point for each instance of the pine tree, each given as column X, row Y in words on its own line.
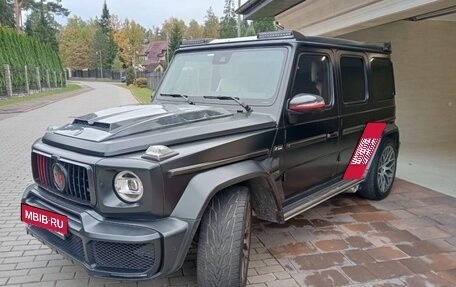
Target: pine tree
column 211, row 25
column 7, row 13
column 51, row 8
column 250, row 30
column 264, row 25
column 105, row 20
column 174, row 41
column 228, row 23
column 104, row 39
column 41, row 25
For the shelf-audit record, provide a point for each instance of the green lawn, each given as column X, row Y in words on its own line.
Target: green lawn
column 15, row 100
column 141, row 94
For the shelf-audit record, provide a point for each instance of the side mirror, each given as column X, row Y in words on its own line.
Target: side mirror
column 306, row 103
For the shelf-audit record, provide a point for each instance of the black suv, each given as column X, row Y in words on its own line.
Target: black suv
column 261, row 125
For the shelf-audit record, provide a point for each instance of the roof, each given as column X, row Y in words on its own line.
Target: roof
column 255, row 9
column 155, row 51
column 155, row 48
column 151, row 66
column 296, row 37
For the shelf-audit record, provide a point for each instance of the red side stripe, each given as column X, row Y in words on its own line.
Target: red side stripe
column 365, row 151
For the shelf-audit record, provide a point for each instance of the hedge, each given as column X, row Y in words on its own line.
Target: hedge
column 19, row 50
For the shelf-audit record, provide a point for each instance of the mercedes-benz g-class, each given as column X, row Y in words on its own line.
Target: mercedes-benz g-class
column 261, row 125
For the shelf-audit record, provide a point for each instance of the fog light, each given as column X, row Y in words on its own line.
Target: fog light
column 128, row 186
column 158, row 153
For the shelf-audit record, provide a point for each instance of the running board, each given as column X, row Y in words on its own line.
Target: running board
column 312, row 200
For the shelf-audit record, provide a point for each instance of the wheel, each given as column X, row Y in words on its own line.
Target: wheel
column 381, row 174
column 224, row 241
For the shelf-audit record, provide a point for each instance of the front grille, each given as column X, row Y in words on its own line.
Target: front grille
column 103, row 256
column 77, row 181
column 71, row 245
column 137, row 257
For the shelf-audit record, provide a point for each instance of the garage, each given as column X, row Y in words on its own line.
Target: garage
column 422, row 34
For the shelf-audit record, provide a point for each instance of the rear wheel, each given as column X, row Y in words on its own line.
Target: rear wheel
column 224, row 241
column 381, row 174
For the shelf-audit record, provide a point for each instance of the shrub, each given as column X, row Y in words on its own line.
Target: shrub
column 141, row 82
column 130, row 74
column 19, row 50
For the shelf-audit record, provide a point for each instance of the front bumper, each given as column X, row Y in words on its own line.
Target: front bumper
column 113, row 248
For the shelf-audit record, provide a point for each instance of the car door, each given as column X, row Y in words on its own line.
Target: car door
column 311, row 154
column 354, row 105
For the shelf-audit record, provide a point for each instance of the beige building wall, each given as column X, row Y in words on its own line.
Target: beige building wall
column 334, row 18
column 424, row 57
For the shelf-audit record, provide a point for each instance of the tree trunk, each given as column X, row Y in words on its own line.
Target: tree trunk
column 18, row 14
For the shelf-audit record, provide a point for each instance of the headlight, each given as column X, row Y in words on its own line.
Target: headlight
column 128, row 186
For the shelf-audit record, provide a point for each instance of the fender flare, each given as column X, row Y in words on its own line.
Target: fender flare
column 390, row 129
column 199, row 192
column 203, row 186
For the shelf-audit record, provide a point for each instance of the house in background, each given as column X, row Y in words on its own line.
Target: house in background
column 154, row 56
column 423, row 37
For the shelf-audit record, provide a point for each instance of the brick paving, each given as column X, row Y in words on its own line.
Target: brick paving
column 408, row 239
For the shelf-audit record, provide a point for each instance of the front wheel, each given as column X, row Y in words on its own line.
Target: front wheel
column 381, row 174
column 224, row 240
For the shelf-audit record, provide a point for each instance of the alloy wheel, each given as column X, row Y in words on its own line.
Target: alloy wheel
column 386, row 169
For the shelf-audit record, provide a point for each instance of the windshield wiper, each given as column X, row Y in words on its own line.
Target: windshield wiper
column 245, row 106
column 179, row 96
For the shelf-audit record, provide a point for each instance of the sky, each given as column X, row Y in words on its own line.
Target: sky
column 148, row 13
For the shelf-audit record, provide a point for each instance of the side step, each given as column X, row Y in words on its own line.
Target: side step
column 314, row 199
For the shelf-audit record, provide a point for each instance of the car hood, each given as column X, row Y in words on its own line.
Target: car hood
column 133, row 128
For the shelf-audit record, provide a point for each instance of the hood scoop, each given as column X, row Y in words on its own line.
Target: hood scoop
column 84, row 123
column 124, row 121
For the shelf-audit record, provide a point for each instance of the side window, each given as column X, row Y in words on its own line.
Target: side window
column 353, row 79
column 313, row 77
column 382, row 79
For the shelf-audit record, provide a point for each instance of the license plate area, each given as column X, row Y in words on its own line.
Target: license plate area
column 51, row 221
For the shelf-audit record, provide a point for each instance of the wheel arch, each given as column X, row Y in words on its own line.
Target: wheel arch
column 392, row 132
column 203, row 186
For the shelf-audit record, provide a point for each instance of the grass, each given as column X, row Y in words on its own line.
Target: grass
column 141, row 94
column 16, row 100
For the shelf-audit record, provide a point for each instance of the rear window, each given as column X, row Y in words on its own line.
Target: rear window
column 353, row 79
column 382, row 79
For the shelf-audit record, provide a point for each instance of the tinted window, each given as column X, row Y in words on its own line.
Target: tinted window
column 353, row 79
column 313, row 77
column 382, row 79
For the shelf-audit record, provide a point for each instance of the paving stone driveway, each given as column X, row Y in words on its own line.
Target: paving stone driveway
column 409, row 239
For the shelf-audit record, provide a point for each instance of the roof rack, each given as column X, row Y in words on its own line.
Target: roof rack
column 294, row 35
column 195, row 42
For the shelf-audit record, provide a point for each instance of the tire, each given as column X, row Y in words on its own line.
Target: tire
column 382, row 172
column 224, row 241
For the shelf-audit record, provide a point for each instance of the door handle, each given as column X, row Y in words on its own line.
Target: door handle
column 332, row 135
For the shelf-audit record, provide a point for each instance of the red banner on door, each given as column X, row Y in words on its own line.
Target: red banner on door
column 365, row 151
column 44, row 219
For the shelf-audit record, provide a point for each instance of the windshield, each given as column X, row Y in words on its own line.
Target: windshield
column 252, row 75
